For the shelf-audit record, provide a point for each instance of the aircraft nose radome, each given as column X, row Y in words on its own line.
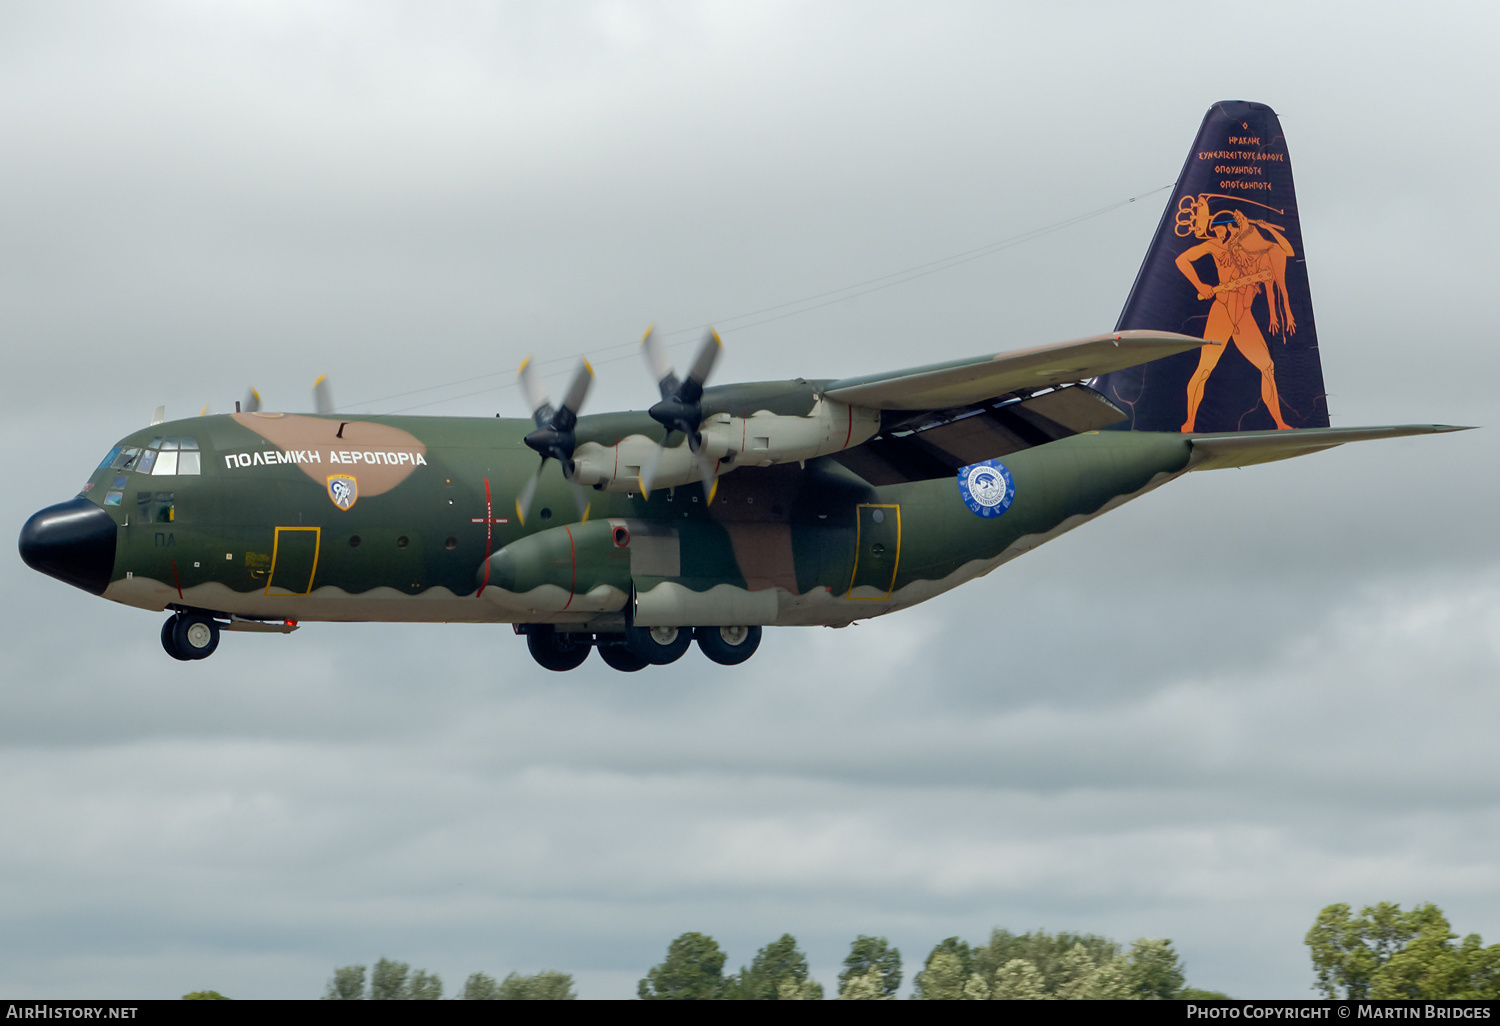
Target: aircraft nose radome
column 73, row 541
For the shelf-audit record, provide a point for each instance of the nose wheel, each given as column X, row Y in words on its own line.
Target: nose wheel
column 188, row 636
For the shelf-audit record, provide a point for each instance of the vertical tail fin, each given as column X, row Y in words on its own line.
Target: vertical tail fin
column 1227, row 264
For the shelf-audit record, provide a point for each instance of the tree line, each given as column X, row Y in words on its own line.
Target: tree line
column 1035, row 965
column 395, row 981
column 1382, row 953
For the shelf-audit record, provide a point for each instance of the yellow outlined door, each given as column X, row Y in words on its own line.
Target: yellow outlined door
column 294, row 560
column 877, row 551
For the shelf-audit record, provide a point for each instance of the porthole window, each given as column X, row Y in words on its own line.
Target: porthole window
column 401, row 542
column 546, row 513
column 354, row 541
column 451, row 543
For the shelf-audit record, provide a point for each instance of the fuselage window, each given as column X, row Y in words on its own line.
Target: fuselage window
column 156, row 507
column 187, row 462
column 166, row 463
column 110, row 458
column 148, row 459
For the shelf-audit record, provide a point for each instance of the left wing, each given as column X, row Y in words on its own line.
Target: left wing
column 961, row 382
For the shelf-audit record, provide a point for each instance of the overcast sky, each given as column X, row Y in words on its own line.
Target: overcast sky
column 1204, row 717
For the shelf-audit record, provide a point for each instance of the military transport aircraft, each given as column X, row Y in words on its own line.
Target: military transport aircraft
column 722, row 510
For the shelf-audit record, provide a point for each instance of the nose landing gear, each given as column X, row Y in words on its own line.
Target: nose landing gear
column 188, row 636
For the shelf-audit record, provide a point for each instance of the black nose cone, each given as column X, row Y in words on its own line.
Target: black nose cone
column 73, row 541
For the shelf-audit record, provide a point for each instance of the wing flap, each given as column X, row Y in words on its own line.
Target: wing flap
column 960, row 382
column 1247, row 448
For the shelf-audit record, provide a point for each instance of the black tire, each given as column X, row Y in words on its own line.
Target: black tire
column 554, row 650
column 658, row 645
column 728, row 646
column 618, row 655
column 169, row 641
column 195, row 635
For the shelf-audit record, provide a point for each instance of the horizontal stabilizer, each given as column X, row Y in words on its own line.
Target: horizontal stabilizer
column 1247, row 448
column 960, row 382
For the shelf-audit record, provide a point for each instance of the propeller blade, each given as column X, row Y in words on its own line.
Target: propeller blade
column 708, row 474
column 703, row 365
column 528, row 493
column 578, row 388
column 159, row 415
column 322, row 398
column 581, row 499
column 648, row 472
column 536, row 395
column 656, row 359
column 252, row 401
column 203, row 412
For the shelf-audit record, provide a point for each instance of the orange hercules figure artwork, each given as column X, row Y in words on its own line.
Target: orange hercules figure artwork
column 1245, row 258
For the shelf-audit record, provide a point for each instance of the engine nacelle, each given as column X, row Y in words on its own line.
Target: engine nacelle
column 760, row 440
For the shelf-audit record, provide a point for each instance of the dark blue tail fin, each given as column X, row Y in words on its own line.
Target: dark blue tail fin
column 1227, row 264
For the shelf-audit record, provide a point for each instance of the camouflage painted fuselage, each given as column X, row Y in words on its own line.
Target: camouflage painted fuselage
column 413, row 519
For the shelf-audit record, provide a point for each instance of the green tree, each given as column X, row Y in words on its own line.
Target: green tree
column 778, row 968
column 348, row 984
column 693, row 971
column 1387, row 954
column 204, row 995
column 423, row 986
column 1348, row 950
column 1154, row 971
column 1046, row 951
column 547, row 985
column 388, row 981
column 868, row 986
column 872, row 955
column 481, row 987
column 945, row 972
column 1018, row 980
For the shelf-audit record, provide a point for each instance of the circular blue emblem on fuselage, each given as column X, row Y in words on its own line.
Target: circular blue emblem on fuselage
column 987, row 488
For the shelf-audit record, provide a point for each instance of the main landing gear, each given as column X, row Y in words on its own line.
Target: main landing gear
column 190, row 636
column 638, row 647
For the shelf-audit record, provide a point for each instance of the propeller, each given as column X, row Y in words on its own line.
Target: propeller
column 322, row 399
column 681, row 405
column 553, row 438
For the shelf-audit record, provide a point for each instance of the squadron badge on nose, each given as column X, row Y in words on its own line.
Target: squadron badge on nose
column 343, row 489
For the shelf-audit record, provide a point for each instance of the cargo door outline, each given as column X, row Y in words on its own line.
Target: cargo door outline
column 289, row 556
column 874, row 529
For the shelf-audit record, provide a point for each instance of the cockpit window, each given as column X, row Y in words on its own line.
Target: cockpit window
column 163, row 456
column 126, row 459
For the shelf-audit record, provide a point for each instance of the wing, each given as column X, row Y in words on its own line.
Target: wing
column 936, row 419
column 962, row 382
